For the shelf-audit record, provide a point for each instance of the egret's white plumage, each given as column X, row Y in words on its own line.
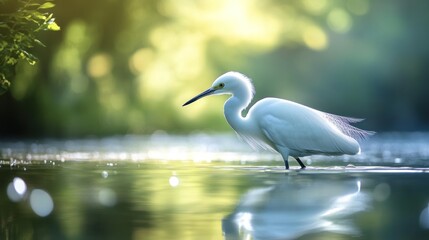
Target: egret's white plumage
column 287, row 127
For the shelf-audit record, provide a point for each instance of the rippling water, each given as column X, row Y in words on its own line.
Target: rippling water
column 211, row 187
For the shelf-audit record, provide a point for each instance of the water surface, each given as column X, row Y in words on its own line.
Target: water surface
column 211, row 187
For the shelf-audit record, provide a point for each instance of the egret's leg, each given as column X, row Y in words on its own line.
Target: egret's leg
column 285, row 154
column 286, row 164
column 300, row 162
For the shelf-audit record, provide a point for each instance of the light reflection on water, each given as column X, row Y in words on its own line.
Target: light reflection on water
column 388, row 149
column 164, row 147
column 200, row 187
column 292, row 208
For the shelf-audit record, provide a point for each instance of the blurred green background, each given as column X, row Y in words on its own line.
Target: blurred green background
column 127, row 66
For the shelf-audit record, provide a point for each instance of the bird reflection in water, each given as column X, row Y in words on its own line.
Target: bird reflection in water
column 292, row 209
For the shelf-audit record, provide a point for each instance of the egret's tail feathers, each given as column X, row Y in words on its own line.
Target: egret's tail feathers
column 343, row 124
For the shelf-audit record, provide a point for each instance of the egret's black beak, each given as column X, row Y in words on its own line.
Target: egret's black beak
column 201, row 95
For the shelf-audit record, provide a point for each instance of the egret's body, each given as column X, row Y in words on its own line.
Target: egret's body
column 289, row 128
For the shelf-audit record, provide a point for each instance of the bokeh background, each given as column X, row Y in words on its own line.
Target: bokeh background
column 126, row 66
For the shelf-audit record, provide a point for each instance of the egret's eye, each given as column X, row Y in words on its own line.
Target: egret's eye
column 222, row 85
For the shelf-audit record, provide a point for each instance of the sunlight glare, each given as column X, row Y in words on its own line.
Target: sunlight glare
column 234, row 22
column 41, row 202
column 174, row 180
column 16, row 189
column 315, row 38
column 244, row 221
column 140, row 60
column 339, row 20
column 107, row 197
column 19, row 185
column 104, row 174
column 315, row 6
column 99, row 65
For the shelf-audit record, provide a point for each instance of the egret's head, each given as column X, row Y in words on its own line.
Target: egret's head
column 228, row 83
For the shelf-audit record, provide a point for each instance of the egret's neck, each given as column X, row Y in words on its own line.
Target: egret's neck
column 234, row 107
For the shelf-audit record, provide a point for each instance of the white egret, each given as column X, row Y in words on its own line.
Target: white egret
column 287, row 127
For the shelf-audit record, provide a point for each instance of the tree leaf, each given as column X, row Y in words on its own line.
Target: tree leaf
column 11, row 61
column 39, row 42
column 47, row 5
column 30, row 58
column 3, row 45
column 53, row 26
column 39, row 15
column 4, row 25
column 4, row 86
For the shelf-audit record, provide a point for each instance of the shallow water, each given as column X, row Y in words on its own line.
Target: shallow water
column 211, row 187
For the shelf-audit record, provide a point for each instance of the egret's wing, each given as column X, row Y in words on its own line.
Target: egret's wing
column 303, row 130
column 308, row 141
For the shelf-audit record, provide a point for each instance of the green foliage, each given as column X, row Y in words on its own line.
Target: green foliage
column 127, row 66
column 18, row 30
